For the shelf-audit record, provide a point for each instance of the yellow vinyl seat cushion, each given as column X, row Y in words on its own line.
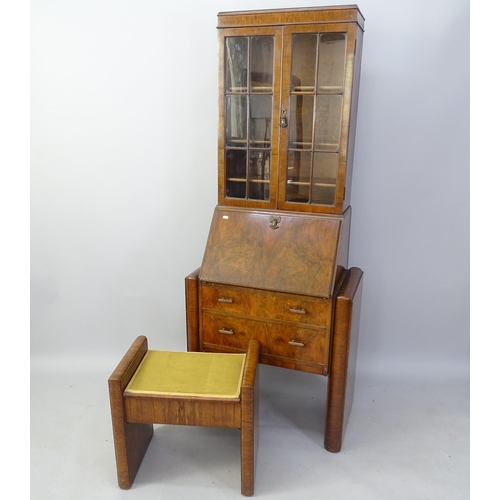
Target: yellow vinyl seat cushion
column 193, row 374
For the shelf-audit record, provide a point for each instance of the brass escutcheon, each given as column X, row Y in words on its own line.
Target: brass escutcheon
column 274, row 220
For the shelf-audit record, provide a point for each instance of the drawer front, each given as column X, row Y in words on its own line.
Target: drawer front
column 277, row 340
column 267, row 305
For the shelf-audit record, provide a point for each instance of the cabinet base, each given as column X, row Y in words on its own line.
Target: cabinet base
column 341, row 373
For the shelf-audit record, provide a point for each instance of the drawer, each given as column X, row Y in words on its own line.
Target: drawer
column 267, row 305
column 278, row 340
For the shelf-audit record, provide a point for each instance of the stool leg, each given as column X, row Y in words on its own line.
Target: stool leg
column 247, row 445
column 131, row 440
column 249, row 418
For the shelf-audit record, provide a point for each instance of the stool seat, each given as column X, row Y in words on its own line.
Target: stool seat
column 193, row 374
column 182, row 388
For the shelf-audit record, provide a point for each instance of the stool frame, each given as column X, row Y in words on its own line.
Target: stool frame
column 133, row 415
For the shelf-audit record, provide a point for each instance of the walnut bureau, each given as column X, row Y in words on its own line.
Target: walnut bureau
column 275, row 266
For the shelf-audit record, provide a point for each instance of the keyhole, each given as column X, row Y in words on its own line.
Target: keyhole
column 283, row 119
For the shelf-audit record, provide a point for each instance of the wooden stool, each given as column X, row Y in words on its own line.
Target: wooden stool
column 182, row 388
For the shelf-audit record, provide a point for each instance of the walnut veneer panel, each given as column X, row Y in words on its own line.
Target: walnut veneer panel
column 345, row 344
column 309, row 349
column 182, row 411
column 297, row 257
column 262, row 304
column 347, row 13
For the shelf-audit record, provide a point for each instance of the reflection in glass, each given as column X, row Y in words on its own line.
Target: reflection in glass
column 327, row 126
column 236, row 64
column 248, row 114
column 315, row 109
column 236, row 161
column 261, row 63
column 299, row 176
column 261, row 108
column 236, row 120
column 304, row 62
column 258, row 174
column 331, row 62
column 300, row 127
column 325, row 166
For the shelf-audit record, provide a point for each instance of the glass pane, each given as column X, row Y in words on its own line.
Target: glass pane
column 236, row 64
column 236, row 167
column 300, row 125
column 303, row 63
column 331, row 62
column 261, row 63
column 249, row 67
column 261, row 107
column 299, row 176
column 235, row 189
column 325, row 167
column 327, row 126
column 258, row 174
column 236, row 164
column 236, row 120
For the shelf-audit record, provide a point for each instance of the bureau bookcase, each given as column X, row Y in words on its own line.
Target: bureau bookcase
column 275, row 266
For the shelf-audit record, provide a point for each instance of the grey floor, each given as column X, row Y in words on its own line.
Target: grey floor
column 406, row 439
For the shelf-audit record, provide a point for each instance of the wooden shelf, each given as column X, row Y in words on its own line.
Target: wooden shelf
column 254, row 181
column 298, row 183
column 315, row 184
column 329, row 147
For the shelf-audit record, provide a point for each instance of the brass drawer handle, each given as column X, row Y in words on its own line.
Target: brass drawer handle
column 226, row 301
column 226, row 332
column 295, row 343
column 297, row 311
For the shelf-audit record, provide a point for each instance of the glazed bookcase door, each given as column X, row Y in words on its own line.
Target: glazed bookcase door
column 249, row 81
column 318, row 67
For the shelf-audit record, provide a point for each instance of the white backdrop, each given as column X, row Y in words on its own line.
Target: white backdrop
column 123, row 176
